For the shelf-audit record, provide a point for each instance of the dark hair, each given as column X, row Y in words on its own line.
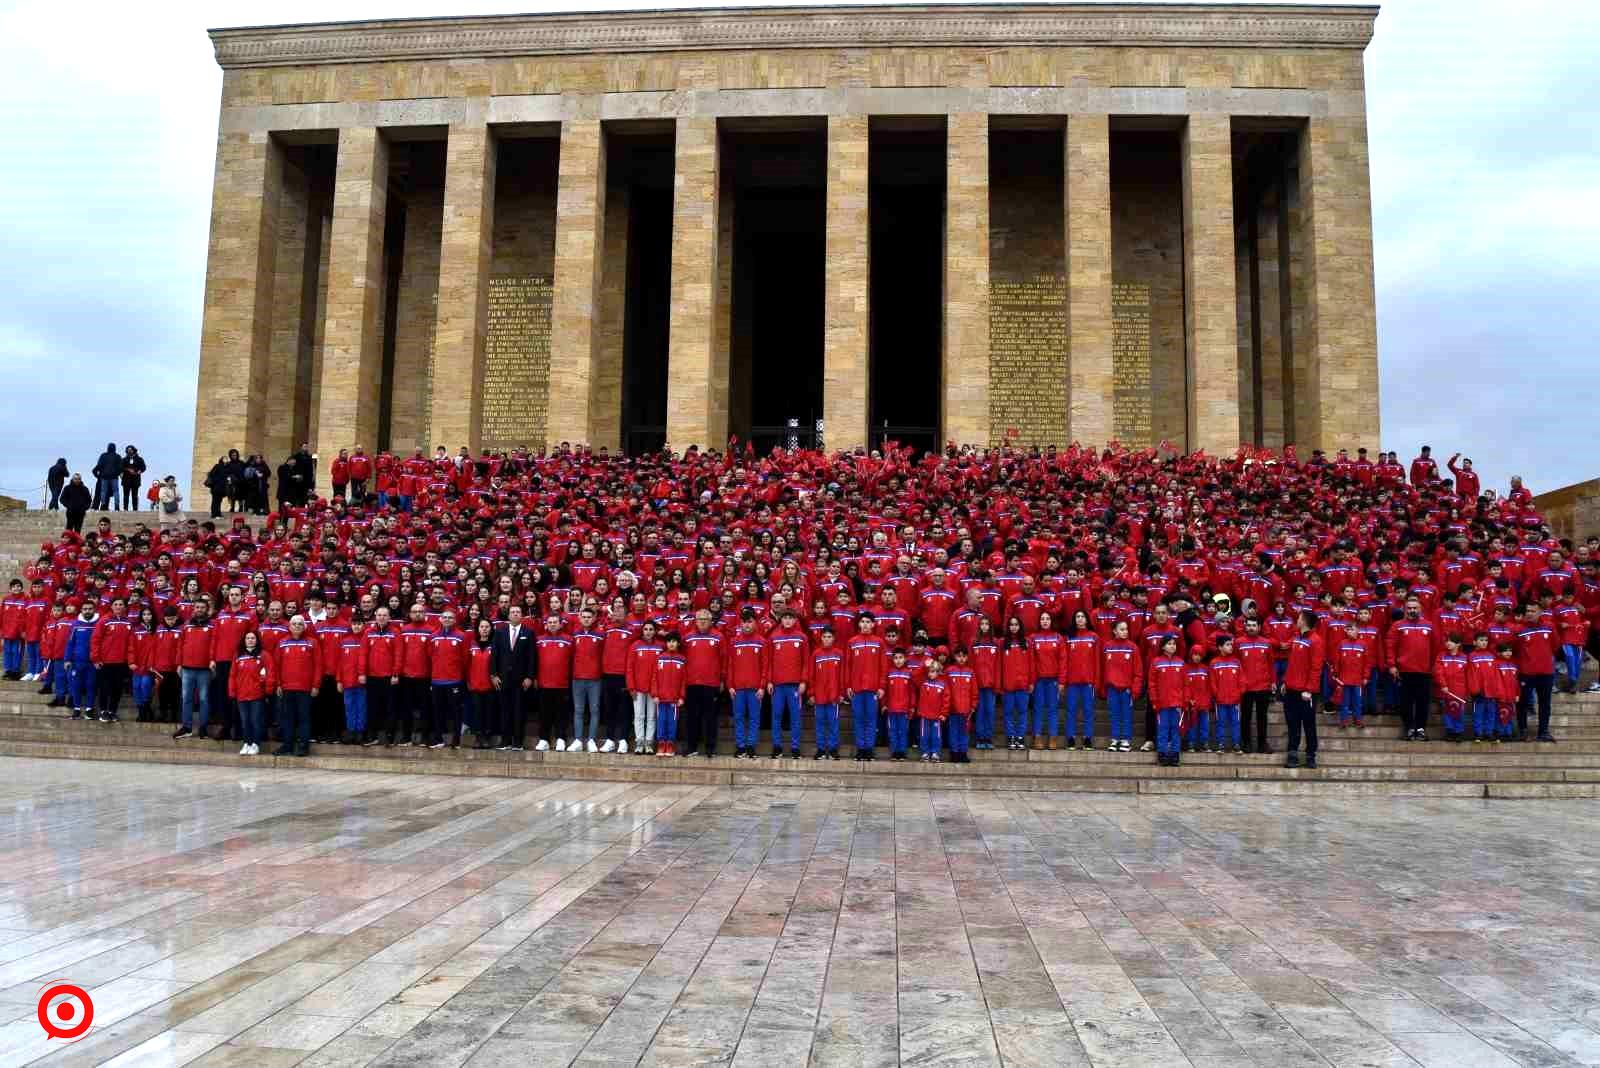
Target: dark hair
column 260, row 649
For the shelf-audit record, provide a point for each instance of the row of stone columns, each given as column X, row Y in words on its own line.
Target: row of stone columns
column 237, row 325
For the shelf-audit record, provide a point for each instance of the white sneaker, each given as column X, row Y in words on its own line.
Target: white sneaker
column 244, row 750
column 609, row 747
column 1147, row 747
column 561, row 745
column 255, row 749
column 542, row 747
column 622, row 747
column 29, row 678
column 592, row 747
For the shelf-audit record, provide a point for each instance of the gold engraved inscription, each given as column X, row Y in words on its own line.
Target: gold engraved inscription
column 516, row 363
column 1028, row 360
column 1130, row 363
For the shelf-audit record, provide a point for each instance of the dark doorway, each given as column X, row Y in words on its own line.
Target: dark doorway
column 906, row 171
column 643, row 164
column 776, row 184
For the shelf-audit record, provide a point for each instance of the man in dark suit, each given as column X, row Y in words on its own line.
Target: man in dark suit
column 511, row 666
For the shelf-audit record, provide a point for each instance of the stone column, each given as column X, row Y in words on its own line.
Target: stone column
column 1091, row 371
column 697, row 404
column 236, row 331
column 466, row 239
column 607, row 407
column 1341, row 334
column 1269, row 319
column 289, row 315
column 847, row 265
column 575, row 331
column 352, row 358
column 965, row 399
column 1209, row 292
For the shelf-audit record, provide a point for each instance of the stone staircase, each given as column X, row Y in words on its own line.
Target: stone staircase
column 22, row 531
column 1369, row 762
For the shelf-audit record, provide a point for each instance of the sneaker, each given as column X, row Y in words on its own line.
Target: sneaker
column 776, row 753
column 622, row 747
column 181, row 732
column 1072, row 744
column 370, row 742
column 1147, row 747
column 611, row 747
column 436, row 745
column 591, row 747
column 244, row 750
column 1291, row 760
column 1311, row 760
column 542, row 747
column 1593, row 687
column 561, row 745
column 1547, row 738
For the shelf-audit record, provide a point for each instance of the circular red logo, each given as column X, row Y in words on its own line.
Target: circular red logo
column 65, row 1010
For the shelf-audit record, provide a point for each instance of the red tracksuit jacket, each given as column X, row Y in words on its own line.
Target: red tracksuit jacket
column 789, row 655
column 866, row 660
column 1304, row 672
column 1228, row 680
column 251, row 678
column 933, row 700
column 825, row 676
column 671, row 678
column 748, row 667
column 298, row 665
column 554, row 655
column 1167, row 683
column 899, row 692
column 963, row 686
column 1081, row 666
column 639, row 676
column 1121, row 667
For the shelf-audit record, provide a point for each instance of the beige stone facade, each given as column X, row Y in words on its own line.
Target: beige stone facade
column 530, row 229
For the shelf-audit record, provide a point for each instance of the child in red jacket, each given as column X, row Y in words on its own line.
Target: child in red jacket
column 1227, row 687
column 933, row 707
column 1016, row 682
column 1480, row 687
column 1507, row 690
column 1121, row 680
column 350, row 678
column 1197, row 702
column 1351, row 670
column 667, row 686
column 899, row 697
column 825, row 678
column 963, row 685
column 1167, row 698
column 1450, row 678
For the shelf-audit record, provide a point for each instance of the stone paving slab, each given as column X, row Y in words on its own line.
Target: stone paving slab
column 410, row 919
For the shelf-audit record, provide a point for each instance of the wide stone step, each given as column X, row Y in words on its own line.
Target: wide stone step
column 1146, row 778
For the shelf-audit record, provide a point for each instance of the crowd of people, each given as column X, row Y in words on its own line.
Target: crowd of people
column 116, row 476
column 969, row 599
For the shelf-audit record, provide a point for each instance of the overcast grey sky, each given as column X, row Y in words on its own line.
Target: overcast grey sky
column 1485, row 137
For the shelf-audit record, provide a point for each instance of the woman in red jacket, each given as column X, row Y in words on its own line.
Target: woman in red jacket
column 480, row 684
column 249, row 682
column 141, row 661
column 1049, row 665
column 1121, row 680
column 986, row 668
column 1080, row 675
column 1016, row 681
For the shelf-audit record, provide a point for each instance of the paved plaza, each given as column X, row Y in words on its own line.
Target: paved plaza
column 221, row 916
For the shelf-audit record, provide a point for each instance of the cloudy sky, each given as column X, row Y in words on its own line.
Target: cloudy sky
column 1485, row 136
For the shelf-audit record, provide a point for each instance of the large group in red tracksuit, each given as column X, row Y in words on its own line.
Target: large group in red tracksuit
column 583, row 602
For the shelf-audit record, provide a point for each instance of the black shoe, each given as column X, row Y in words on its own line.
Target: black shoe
column 181, row 732
column 302, row 750
column 819, row 754
column 1311, row 760
column 46, row 688
column 872, row 754
column 57, row 703
column 776, row 753
column 1547, row 738
column 794, row 754
column 1291, row 760
column 284, row 750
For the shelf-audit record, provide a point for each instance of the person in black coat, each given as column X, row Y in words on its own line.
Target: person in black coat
column 106, row 471
column 54, row 479
column 234, row 470
column 217, row 483
column 75, row 498
column 305, row 469
column 286, row 483
column 133, row 468
column 511, row 666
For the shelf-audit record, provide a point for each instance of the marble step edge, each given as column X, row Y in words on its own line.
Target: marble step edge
column 1144, row 768
column 839, row 776
column 1531, row 756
